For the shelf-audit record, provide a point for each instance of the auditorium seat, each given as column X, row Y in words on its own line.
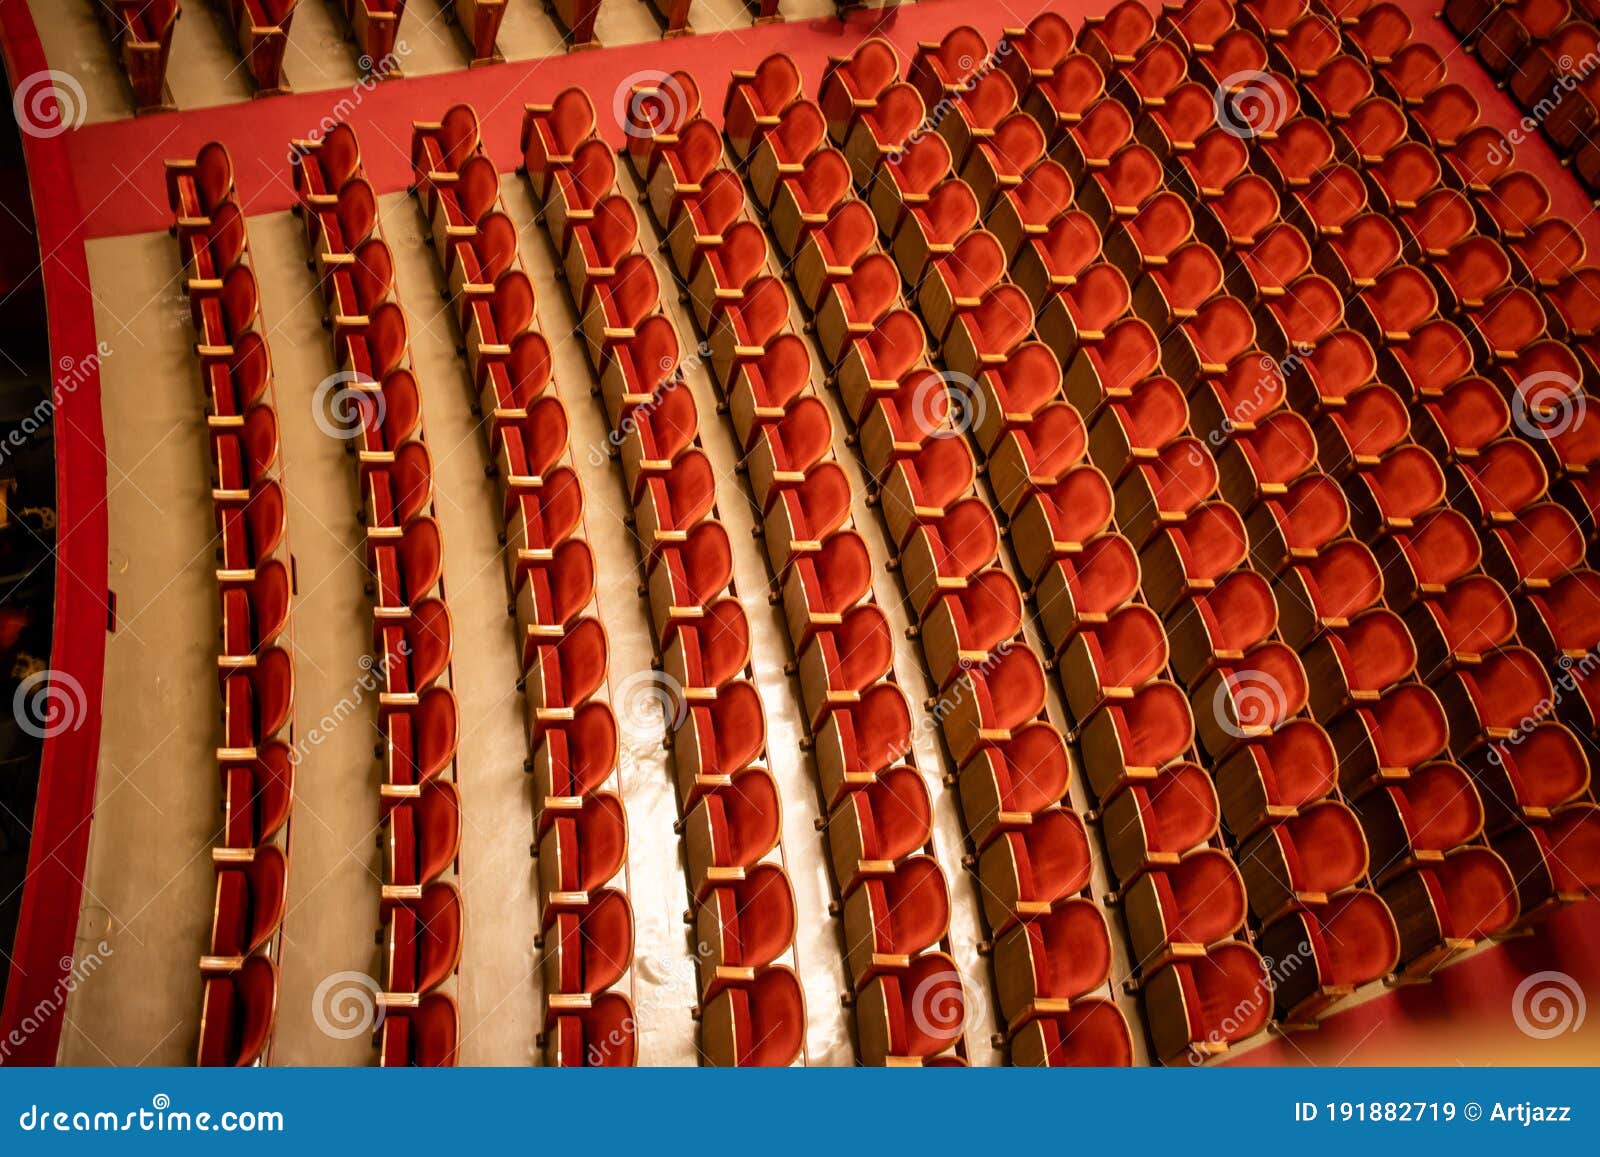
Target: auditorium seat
column 907, row 179
column 911, row 1016
column 744, row 925
column 251, row 897
column 588, row 949
column 761, row 1023
column 1493, row 698
column 423, row 944
column 1526, row 779
column 1353, row 940
column 551, row 134
column 1079, row 585
column 261, row 29
column 965, row 626
column 832, row 251
column 851, row 84
column 1382, row 741
column 1418, row 820
column 879, row 133
column 1027, row 873
column 1216, row 625
column 582, row 849
column 238, row 1011
column 422, row 842
column 1176, row 910
column 871, row 829
column 257, row 797
column 1204, row 1005
column 573, row 758
column 1133, row 738
column 425, row 1036
column 1006, row 785
column 944, row 554
column 741, row 329
column 718, row 738
column 756, row 98
column 1153, row 823
column 566, row 672
column 601, row 1032
column 418, row 743
column 1274, row 778
column 479, row 21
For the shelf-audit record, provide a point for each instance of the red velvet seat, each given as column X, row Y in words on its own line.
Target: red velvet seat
column 1116, row 36
column 1382, row 741
column 1006, row 785
column 1358, row 427
column 573, row 759
column 423, row 939
column 1158, row 68
column 944, row 552
column 1105, row 661
column 1217, row 625
column 1278, row 257
column 860, row 740
column 999, row 161
column 1298, row 525
column 1153, row 823
column 659, row 105
column 906, row 179
column 987, row 333
column 565, row 673
column 1218, row 159
column 1137, row 425
column 1353, row 942
column 1176, row 910
column 1060, row 100
column 1045, row 965
column 806, row 514
column 257, row 796
column 717, row 738
column 1557, row 861
column 1080, row 584
column 686, row 577
column 744, row 923
column 1164, row 490
column 840, row 663
column 851, row 306
column 602, row 1034
column 587, row 949
column 1248, row 697
column 929, row 230
column 595, row 246
column 425, row 1036
column 552, row 132
column 581, row 848
column 1412, row 72
column 942, row 68
column 1553, row 248
column 882, row 823
column 699, row 213
column 1493, row 698
column 1204, row 1005
column 238, row 1010
column 1304, row 860
column 1445, row 908
column 1188, row 111
column 634, row 369
column 1027, row 210
column 800, row 130
column 755, row 99
column 1190, row 557
column 1398, row 302
column 418, row 742
column 1114, row 366
column 1197, row 26
column 1249, row 390
column 1525, row 779
column 1043, row 454
column 832, row 251
column 804, row 200
column 619, row 305
column 1358, row 662
column 786, row 450
column 1471, row 617
column 1055, row 521
column 881, row 132
column 1374, row 128
column 1027, row 873
column 760, row 1024
column 1118, row 184
column 1390, row 496
column 258, row 702
column 1505, row 478
column 730, row 827
column 992, row 701
column 1134, row 738
column 1307, row 49
column 851, row 84
column 1149, row 240
column 964, row 626
column 1274, row 778
column 1542, row 543
column 1173, row 291
column 975, row 112
column 1516, row 203
column 1274, row 452
column 250, row 902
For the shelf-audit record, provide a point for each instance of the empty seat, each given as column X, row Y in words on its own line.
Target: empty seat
column 425, row 1036
column 1442, row 909
column 717, row 738
column 1353, row 941
column 756, row 98
column 1044, row 966
column 597, row 1033
column 1154, row 823
column 761, row 1023
column 238, row 1010
column 587, row 949
column 1274, row 778
column 746, row 923
column 423, row 942
column 1133, row 738
column 1525, row 779
column 1383, row 741
column 1493, row 698
column 1006, row 785
column 852, row 84
column 552, row 132
column 1206, row 1004
column 1027, row 873
column 581, row 849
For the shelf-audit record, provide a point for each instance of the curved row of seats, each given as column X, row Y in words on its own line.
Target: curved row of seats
column 751, row 1009
column 889, row 887
column 586, row 928
column 1051, row 947
column 1071, row 532
column 376, row 406
column 1544, row 53
column 255, row 581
